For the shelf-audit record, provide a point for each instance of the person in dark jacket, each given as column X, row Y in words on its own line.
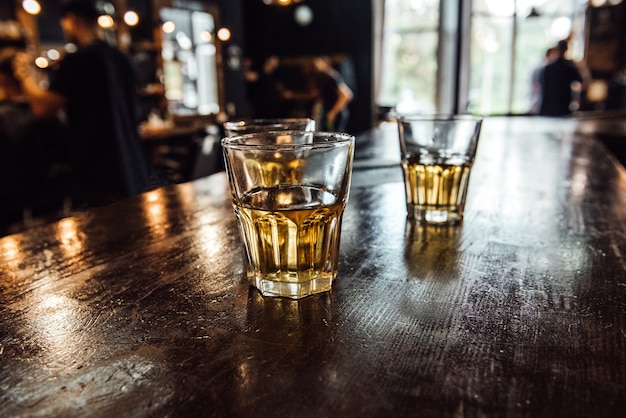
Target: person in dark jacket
column 332, row 96
column 556, row 80
column 95, row 86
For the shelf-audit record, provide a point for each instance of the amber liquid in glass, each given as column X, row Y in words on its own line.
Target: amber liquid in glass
column 436, row 191
column 291, row 239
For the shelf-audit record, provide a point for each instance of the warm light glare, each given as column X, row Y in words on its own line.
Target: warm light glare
column 597, row 91
column 53, row 54
column 168, row 27
column 153, row 196
column 31, row 7
column 208, row 237
column 281, row 2
column 600, row 3
column 206, row 36
column 53, row 318
column 10, row 247
column 67, row 231
column 106, row 22
column 69, row 237
column 131, row 18
column 155, row 205
column 41, row 62
column 223, row 34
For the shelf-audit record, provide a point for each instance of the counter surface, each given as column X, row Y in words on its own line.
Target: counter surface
column 140, row 308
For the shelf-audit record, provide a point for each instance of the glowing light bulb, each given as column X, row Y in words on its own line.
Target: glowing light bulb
column 53, row 54
column 206, row 36
column 41, row 62
column 303, row 15
column 31, row 7
column 168, row 27
column 131, row 18
column 106, row 22
column 223, row 34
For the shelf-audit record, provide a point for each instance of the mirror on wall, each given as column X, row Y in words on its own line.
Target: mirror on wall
column 189, row 57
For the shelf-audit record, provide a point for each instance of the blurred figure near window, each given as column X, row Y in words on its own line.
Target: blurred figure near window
column 558, row 80
column 535, row 86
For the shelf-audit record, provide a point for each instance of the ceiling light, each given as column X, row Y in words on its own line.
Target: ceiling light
column 131, row 18
column 168, row 27
column 223, row 34
column 106, row 21
column 31, row 7
column 41, row 62
column 303, row 15
column 53, row 54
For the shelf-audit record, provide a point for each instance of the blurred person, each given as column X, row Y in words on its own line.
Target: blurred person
column 15, row 118
column 29, row 149
column 14, row 106
column 268, row 90
column 535, row 86
column 332, row 96
column 557, row 80
column 95, row 87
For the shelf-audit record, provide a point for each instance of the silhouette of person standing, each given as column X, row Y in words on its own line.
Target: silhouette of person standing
column 332, row 96
column 270, row 104
column 556, row 79
column 535, row 85
column 95, row 86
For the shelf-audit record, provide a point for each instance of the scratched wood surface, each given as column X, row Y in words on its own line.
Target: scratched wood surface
column 139, row 309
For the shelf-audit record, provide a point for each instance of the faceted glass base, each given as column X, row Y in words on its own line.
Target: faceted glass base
column 448, row 216
column 291, row 289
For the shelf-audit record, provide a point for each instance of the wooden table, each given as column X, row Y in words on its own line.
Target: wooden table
column 139, row 309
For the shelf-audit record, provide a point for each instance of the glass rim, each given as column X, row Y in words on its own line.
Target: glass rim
column 439, row 117
column 264, row 121
column 330, row 139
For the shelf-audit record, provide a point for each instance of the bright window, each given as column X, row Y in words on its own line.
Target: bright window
column 409, row 63
column 507, row 41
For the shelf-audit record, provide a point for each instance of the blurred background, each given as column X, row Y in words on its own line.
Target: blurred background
column 423, row 55
column 200, row 63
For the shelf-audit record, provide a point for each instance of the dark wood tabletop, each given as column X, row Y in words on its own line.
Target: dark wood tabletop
column 140, row 308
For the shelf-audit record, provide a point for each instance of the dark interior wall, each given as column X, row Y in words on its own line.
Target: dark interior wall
column 48, row 23
column 7, row 10
column 7, row 13
column 230, row 15
column 338, row 27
